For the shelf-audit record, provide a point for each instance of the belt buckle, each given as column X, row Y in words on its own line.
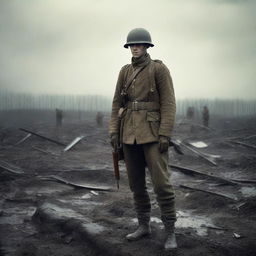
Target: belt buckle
column 135, row 105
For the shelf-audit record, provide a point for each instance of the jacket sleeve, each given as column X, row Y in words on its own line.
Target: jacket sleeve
column 167, row 100
column 116, row 104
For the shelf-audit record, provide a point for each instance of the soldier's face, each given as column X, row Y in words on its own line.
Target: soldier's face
column 138, row 50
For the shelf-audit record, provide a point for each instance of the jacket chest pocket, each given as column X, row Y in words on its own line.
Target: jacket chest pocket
column 154, row 122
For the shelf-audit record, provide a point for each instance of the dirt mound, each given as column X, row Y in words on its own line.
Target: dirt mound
column 118, row 208
column 209, row 201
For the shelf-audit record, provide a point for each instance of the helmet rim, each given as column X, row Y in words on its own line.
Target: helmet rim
column 138, row 36
column 138, row 42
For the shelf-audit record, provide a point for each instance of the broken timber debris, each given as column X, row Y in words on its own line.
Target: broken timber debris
column 11, row 167
column 244, row 181
column 249, row 137
column 73, row 143
column 43, row 137
column 243, row 144
column 23, row 139
column 192, row 172
column 209, row 192
column 208, row 158
column 237, row 236
column 214, row 227
column 44, row 151
column 75, row 184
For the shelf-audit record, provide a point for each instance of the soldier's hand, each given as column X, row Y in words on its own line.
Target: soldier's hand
column 163, row 143
column 114, row 140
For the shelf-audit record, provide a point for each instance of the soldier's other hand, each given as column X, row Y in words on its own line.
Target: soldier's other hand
column 114, row 140
column 163, row 143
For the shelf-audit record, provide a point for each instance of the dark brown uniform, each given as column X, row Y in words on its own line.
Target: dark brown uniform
column 150, row 113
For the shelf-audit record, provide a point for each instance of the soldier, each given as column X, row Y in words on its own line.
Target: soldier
column 144, row 101
column 190, row 112
column 59, row 116
column 206, row 116
column 99, row 119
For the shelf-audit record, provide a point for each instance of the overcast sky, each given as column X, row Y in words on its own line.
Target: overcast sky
column 76, row 46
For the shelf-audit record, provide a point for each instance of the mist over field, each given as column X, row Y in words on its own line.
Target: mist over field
column 64, row 188
column 76, row 47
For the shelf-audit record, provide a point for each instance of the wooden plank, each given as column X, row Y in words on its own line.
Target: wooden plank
column 73, row 143
column 23, row 139
column 11, row 167
column 244, row 181
column 45, row 151
column 192, row 172
column 243, row 144
column 76, row 184
column 207, row 158
column 43, row 137
column 209, row 192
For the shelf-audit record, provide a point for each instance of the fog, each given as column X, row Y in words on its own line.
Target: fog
column 76, row 47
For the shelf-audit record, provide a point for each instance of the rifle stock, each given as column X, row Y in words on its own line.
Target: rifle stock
column 116, row 166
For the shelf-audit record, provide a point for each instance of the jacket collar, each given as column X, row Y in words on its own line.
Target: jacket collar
column 141, row 61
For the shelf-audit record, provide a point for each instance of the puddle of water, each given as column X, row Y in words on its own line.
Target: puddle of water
column 86, row 196
column 186, row 219
column 219, row 232
column 198, row 144
column 81, row 202
column 248, row 191
column 152, row 219
column 94, row 228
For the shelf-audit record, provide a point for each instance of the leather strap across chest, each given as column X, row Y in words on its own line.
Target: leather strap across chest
column 129, row 82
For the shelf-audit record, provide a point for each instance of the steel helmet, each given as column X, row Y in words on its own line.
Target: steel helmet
column 138, row 36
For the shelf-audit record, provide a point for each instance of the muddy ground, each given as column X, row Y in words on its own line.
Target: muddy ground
column 40, row 216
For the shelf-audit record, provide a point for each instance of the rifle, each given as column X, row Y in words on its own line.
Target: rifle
column 115, row 155
column 176, row 145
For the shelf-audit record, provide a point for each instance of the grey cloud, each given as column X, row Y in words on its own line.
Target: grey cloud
column 64, row 46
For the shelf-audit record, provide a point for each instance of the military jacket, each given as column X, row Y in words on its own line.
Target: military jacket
column 153, row 84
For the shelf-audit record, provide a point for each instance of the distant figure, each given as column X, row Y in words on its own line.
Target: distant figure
column 99, row 119
column 190, row 112
column 205, row 115
column 59, row 117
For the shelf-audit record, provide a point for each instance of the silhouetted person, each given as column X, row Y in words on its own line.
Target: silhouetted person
column 206, row 116
column 99, row 119
column 59, row 117
column 190, row 113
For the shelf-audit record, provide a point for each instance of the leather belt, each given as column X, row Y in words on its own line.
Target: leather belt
column 143, row 105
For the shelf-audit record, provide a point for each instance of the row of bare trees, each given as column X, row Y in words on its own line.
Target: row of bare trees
column 11, row 100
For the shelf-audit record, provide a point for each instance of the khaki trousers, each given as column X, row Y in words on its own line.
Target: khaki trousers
column 137, row 158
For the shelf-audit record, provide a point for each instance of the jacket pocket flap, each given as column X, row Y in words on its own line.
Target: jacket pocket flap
column 153, row 116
